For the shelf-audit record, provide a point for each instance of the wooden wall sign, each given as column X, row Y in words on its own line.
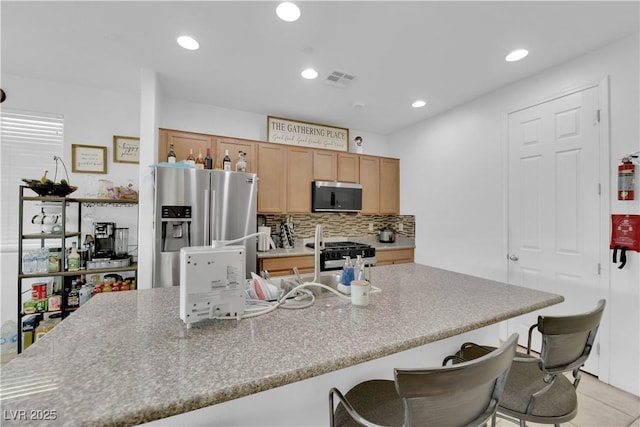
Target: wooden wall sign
column 312, row 135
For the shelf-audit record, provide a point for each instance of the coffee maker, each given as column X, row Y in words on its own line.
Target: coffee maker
column 104, row 239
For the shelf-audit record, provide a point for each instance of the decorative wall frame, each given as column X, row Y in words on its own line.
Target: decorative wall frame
column 306, row 134
column 126, row 149
column 88, row 158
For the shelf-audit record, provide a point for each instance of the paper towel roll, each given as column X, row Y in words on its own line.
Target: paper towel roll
column 263, row 243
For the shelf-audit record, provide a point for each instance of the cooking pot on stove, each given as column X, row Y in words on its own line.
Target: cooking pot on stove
column 387, row 235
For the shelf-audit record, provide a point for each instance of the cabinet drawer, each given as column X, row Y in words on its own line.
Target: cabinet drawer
column 394, row 256
column 283, row 266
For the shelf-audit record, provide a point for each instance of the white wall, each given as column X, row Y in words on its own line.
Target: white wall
column 210, row 119
column 452, row 180
column 91, row 117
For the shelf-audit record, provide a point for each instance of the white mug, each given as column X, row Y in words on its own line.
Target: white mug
column 360, row 290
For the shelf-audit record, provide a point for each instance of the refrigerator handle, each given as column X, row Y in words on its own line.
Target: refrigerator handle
column 212, row 217
column 207, row 219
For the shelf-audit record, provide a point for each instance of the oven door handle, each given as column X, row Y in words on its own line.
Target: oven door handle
column 333, row 264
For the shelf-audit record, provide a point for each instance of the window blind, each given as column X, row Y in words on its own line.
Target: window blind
column 28, row 142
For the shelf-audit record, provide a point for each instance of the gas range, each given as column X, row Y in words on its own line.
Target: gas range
column 332, row 257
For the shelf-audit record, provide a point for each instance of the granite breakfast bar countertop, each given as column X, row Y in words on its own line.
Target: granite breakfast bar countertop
column 126, row 358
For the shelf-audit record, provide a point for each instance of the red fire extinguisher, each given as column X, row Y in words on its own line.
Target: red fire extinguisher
column 626, row 175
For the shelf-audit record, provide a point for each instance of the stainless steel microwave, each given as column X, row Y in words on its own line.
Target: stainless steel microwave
column 327, row 196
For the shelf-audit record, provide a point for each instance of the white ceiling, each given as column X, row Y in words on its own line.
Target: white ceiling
column 446, row 53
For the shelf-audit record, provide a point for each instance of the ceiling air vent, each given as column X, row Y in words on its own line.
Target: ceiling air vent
column 339, row 79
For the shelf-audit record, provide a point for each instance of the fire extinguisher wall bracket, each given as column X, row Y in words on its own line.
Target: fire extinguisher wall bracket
column 626, row 180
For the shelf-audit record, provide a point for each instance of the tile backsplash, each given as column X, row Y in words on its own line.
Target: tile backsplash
column 341, row 224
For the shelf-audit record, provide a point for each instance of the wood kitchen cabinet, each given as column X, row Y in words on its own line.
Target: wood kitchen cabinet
column 286, row 172
column 324, row 165
column 234, row 145
column 283, row 266
column 299, row 177
column 394, row 256
column 297, row 173
column 389, row 186
column 272, row 171
column 370, row 180
column 380, row 179
column 182, row 143
column 348, row 166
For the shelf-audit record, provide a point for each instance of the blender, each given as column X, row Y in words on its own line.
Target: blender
column 122, row 243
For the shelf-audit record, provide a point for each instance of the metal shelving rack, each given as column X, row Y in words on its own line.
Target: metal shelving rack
column 62, row 236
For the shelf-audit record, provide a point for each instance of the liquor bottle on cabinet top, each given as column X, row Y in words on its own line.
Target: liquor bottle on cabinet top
column 208, row 161
column 171, row 157
column 226, row 162
column 190, row 159
column 200, row 160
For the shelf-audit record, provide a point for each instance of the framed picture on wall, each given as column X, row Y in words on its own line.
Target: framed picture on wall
column 88, row 158
column 126, row 149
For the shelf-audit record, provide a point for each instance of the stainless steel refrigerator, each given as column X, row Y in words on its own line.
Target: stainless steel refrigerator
column 194, row 207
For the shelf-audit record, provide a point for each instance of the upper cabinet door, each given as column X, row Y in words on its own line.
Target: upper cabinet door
column 272, row 171
column 389, row 186
column 324, row 166
column 300, row 176
column 182, row 143
column 370, row 180
column 234, row 145
column 348, row 167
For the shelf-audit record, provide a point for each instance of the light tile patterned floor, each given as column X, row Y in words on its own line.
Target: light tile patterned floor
column 599, row 405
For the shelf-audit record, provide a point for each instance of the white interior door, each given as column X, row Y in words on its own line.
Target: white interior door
column 554, row 199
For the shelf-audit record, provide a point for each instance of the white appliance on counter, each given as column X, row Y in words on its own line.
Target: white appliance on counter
column 212, row 282
column 194, row 207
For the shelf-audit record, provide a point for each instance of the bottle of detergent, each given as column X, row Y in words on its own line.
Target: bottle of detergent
column 347, row 276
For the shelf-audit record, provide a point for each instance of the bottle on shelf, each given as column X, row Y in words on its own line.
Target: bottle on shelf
column 226, row 161
column 190, row 159
column 200, row 160
column 241, row 164
column 73, row 261
column 218, row 165
column 208, row 161
column 171, row 157
column 73, row 297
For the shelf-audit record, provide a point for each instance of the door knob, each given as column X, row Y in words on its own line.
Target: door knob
column 513, row 257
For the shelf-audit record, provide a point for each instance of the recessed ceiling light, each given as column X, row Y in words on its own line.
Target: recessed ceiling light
column 188, row 43
column 418, row 104
column 516, row 55
column 309, row 74
column 288, row 11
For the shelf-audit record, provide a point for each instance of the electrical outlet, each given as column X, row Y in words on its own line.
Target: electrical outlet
column 370, row 226
column 400, row 226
